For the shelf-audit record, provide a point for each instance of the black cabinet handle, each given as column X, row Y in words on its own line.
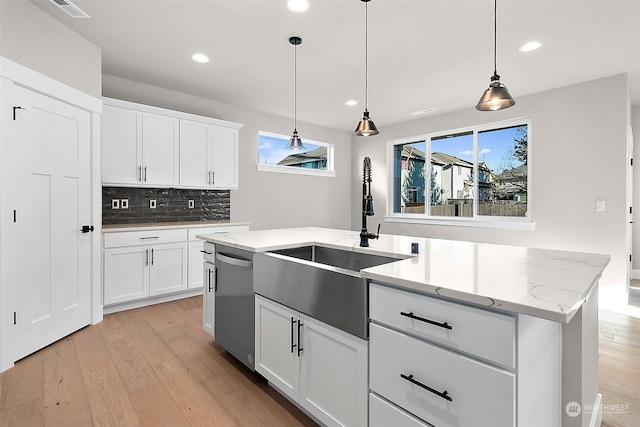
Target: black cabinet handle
column 215, row 277
column 293, row 322
column 210, row 271
column 207, row 252
column 422, row 319
column 151, row 256
column 299, row 343
column 442, row 394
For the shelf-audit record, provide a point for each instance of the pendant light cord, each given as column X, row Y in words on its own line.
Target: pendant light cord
column 366, row 55
column 295, row 87
column 495, row 36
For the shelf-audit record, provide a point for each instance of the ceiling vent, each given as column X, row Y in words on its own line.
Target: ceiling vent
column 70, row 9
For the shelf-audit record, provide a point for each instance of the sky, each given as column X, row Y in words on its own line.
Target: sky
column 271, row 149
column 493, row 147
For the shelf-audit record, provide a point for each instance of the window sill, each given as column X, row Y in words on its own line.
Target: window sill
column 296, row 171
column 503, row 223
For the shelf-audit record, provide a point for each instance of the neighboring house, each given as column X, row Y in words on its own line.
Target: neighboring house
column 316, row 159
column 512, row 184
column 451, row 178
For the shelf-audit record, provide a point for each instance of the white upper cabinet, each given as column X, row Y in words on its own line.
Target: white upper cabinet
column 146, row 146
column 121, row 145
column 208, row 155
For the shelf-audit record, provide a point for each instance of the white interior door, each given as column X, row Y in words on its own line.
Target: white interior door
column 53, row 295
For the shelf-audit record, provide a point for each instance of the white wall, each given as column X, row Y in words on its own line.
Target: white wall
column 266, row 199
column 34, row 39
column 577, row 156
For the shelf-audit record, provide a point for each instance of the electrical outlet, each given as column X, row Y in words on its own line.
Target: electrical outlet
column 152, row 204
column 124, row 203
column 192, row 204
column 115, row 203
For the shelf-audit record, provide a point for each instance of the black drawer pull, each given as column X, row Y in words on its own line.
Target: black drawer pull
column 422, row 319
column 293, row 322
column 442, row 394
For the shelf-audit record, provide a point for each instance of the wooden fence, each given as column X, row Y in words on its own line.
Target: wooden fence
column 466, row 209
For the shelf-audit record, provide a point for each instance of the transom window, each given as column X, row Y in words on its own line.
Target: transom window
column 316, row 158
column 434, row 176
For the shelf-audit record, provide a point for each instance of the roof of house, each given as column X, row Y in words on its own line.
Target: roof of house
column 306, row 157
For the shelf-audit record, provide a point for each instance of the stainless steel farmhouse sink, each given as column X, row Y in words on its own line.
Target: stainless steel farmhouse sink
column 321, row 282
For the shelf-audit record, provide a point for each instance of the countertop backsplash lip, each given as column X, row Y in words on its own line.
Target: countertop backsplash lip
column 172, row 205
column 114, row 228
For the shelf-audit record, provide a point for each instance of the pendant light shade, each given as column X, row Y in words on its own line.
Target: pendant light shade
column 366, row 127
column 295, row 143
column 496, row 97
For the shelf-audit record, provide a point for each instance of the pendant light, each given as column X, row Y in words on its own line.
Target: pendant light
column 497, row 96
column 295, row 143
column 366, row 127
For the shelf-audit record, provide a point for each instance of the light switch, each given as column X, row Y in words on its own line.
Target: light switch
column 124, row 203
column 600, row 206
column 191, row 204
column 152, row 204
column 115, row 203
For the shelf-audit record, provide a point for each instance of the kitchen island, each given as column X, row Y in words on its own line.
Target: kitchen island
column 522, row 319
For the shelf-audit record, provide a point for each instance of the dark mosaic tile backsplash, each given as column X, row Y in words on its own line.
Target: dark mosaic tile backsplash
column 172, row 205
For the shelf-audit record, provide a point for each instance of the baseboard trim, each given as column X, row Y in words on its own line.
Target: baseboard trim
column 150, row 301
column 596, row 415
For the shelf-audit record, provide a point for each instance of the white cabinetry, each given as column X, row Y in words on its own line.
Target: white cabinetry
column 450, row 364
column 146, row 146
column 316, row 365
column 209, row 301
column 142, row 264
column 208, row 155
column 139, row 148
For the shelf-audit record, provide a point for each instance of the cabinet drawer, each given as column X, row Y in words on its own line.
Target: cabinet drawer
column 471, row 393
column 481, row 333
column 132, row 238
column 384, row 414
column 209, row 252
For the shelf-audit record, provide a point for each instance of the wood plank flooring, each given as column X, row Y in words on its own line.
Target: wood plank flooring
column 155, row 366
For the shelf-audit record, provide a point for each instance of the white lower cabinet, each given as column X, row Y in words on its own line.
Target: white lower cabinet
column 319, row 367
column 134, row 272
column 384, row 414
column 209, row 301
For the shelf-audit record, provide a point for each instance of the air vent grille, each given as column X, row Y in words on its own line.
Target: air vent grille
column 70, row 9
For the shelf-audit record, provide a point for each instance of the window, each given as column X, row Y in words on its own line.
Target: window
column 274, row 156
column 497, row 154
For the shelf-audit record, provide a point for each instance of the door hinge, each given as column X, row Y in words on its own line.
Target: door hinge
column 631, row 162
column 15, row 318
column 629, row 257
column 15, row 216
column 630, row 209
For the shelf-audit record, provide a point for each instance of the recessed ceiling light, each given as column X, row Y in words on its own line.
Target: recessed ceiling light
column 428, row 110
column 530, row 46
column 200, row 57
column 298, row 5
column 351, row 103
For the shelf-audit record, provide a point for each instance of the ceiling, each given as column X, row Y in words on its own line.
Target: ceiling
column 422, row 53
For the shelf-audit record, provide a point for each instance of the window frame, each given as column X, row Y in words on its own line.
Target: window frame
column 329, row 172
column 508, row 222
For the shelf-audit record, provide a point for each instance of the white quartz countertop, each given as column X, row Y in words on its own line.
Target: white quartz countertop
column 544, row 283
column 112, row 228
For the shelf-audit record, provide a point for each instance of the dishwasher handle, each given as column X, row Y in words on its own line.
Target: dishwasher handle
column 238, row 262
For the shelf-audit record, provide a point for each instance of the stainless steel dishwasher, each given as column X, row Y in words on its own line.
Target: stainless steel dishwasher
column 234, row 298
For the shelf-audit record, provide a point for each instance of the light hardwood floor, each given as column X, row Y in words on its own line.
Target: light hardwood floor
column 155, row 366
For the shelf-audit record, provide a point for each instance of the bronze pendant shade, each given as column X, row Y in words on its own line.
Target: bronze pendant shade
column 496, row 97
column 366, row 127
column 295, row 143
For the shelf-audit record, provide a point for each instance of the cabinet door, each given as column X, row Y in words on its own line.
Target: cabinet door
column 168, row 268
column 208, row 295
column 195, row 265
column 224, row 159
column 195, row 141
column 160, row 149
column 276, row 351
column 333, row 374
column 121, row 146
column 126, row 274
